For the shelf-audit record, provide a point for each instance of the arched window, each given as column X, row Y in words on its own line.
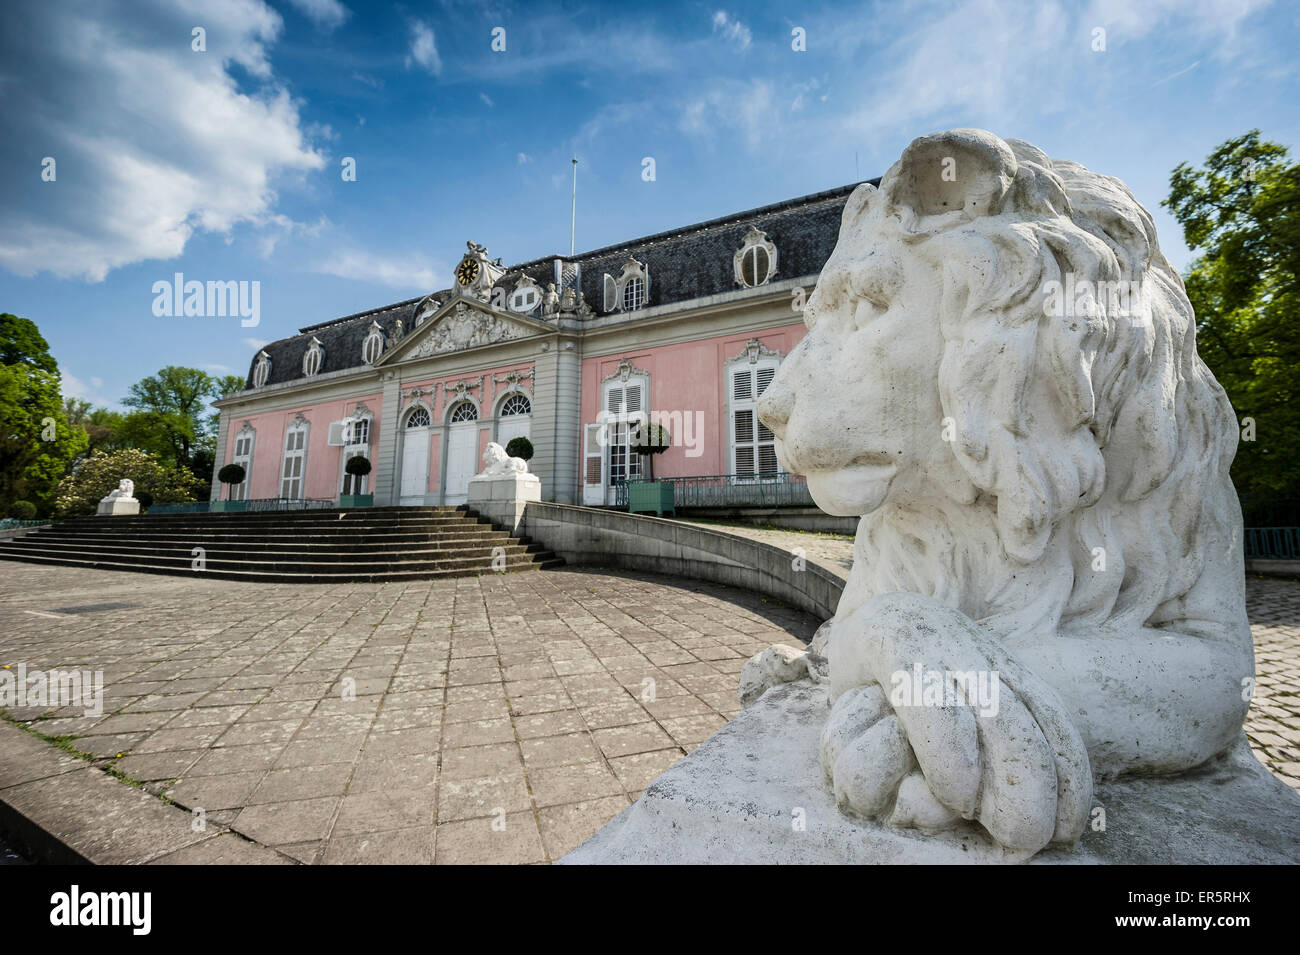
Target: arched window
column 465, row 411
column 516, row 404
column 633, row 294
column 373, row 346
column 419, row 417
column 261, row 370
column 315, row 357
column 755, row 260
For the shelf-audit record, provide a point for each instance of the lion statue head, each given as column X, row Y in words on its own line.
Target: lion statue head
column 1028, row 431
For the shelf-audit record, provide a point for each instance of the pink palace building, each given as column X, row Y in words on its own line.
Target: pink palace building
column 685, row 328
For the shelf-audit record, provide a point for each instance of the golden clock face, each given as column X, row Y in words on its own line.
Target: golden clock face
column 467, row 271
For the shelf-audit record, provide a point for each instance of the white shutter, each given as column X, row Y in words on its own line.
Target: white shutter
column 765, row 376
column 633, row 399
column 593, row 465
column 338, row 434
column 611, row 293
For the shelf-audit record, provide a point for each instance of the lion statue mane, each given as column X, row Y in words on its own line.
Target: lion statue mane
column 1040, row 464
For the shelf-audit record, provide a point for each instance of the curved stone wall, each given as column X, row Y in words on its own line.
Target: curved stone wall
column 586, row 536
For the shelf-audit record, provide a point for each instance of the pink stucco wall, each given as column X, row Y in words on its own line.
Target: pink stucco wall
column 686, row 378
column 485, row 398
column 324, row 463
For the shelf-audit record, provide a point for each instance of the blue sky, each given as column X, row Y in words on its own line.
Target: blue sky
column 225, row 164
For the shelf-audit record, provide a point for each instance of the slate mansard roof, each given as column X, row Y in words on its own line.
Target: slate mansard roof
column 692, row 262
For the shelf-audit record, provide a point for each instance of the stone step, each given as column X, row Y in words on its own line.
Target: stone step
column 324, row 545
column 145, row 553
column 539, row 561
column 470, row 536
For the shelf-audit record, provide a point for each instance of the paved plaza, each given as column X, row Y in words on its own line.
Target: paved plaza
column 494, row 719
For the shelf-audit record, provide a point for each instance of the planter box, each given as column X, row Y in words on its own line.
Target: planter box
column 650, row 496
column 216, row 507
column 356, row 500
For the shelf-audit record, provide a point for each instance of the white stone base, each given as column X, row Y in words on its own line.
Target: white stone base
column 735, row 799
column 501, row 497
column 118, row 506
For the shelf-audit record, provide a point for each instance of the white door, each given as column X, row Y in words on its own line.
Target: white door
column 462, row 460
column 415, row 457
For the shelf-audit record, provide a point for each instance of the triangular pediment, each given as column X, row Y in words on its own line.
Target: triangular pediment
column 461, row 323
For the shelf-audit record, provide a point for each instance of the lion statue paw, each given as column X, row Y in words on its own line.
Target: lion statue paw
column 963, row 731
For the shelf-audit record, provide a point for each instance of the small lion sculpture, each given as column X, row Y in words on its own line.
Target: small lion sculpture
column 496, row 461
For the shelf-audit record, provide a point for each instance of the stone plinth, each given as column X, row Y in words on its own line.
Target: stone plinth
column 501, row 497
column 737, row 798
column 117, row 506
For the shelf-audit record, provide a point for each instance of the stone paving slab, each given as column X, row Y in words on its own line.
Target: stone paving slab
column 496, row 719
column 1273, row 605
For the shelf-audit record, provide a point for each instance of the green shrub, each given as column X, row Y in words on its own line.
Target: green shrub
column 232, row 474
column 22, row 511
column 358, row 466
column 520, row 447
column 145, row 499
column 92, row 479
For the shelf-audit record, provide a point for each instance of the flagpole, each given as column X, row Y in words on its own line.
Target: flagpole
column 573, row 207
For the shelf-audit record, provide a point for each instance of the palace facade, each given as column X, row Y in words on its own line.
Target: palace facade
column 685, row 328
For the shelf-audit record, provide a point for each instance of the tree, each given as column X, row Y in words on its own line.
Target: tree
column 1241, row 213
column 81, row 491
column 103, row 427
column 650, row 438
column 520, row 447
column 36, row 442
column 21, row 343
column 170, row 406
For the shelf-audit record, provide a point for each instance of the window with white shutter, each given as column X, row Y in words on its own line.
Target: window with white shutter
column 244, row 458
column 753, row 446
column 293, row 474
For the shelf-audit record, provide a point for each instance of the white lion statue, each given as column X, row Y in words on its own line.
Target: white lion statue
column 496, row 461
column 1040, row 460
column 125, row 490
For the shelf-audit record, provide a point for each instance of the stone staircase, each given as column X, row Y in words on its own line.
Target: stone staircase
column 311, row 546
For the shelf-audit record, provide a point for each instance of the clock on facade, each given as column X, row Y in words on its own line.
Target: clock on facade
column 467, row 271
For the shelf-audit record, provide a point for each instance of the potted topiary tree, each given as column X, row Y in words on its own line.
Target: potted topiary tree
column 357, row 467
column 520, row 447
column 230, row 475
column 650, row 438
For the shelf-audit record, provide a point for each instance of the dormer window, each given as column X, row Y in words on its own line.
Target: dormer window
column 314, row 359
column 261, row 369
column 373, row 346
column 526, row 296
column 755, row 260
column 630, row 290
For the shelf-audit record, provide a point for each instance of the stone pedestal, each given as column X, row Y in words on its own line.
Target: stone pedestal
column 112, row 506
column 501, row 497
column 754, row 793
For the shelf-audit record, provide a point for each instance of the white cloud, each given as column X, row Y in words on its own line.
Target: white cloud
column 218, row 368
column 152, row 141
column 256, row 344
column 486, row 99
column 735, row 106
column 326, row 14
column 405, row 272
column 523, row 158
column 424, row 48
column 73, row 387
column 733, row 30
